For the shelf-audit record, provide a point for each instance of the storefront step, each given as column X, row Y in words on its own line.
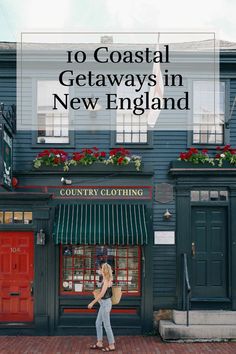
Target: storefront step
column 207, row 317
column 170, row 331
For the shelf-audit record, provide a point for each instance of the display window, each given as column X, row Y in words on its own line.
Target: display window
column 79, row 268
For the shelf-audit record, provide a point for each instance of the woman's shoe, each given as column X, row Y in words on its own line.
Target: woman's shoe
column 108, row 349
column 95, row 346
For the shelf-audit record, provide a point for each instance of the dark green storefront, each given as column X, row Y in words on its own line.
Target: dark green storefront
column 206, row 204
column 80, row 232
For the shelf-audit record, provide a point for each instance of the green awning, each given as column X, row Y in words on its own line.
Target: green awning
column 113, row 224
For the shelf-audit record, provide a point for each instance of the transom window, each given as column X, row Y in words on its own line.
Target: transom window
column 53, row 125
column 208, row 112
column 130, row 128
column 15, row 217
column 208, row 195
column 80, row 263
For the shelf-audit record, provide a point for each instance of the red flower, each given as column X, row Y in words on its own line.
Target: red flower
column 217, row 156
column 204, row 151
column 77, row 156
column 226, row 148
column 88, row 151
column 56, row 160
column 95, row 148
column 96, row 155
column 218, row 148
column 103, row 154
column 193, row 150
column 182, row 155
column 189, row 154
column 120, row 160
column 113, row 152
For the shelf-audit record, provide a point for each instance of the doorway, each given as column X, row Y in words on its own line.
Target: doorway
column 16, row 276
column 209, row 256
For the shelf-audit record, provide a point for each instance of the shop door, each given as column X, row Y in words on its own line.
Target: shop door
column 209, row 252
column 16, row 276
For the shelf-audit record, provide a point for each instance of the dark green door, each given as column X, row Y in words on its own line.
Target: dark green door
column 209, row 252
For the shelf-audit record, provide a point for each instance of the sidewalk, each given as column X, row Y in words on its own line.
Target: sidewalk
column 124, row 345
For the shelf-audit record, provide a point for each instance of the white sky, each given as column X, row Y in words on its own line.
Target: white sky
column 117, row 15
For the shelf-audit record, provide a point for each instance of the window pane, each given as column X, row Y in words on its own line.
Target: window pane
column 18, row 217
column 204, row 195
column 143, row 138
column 28, row 217
column 51, row 124
column 208, row 111
column 133, row 280
column 119, row 138
column 122, row 252
column 127, row 138
column 223, row 195
column 8, row 217
column 194, row 196
column 67, row 274
column 67, row 262
column 127, row 121
column 133, row 252
column 214, row 195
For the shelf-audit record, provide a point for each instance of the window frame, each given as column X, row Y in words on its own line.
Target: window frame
column 63, row 292
column 140, row 145
column 226, row 130
column 34, row 142
column 15, row 224
column 209, row 200
column 147, row 145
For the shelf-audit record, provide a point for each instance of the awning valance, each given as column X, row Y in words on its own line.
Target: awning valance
column 112, row 224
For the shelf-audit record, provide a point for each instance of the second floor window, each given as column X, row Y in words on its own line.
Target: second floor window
column 130, row 128
column 208, row 112
column 53, row 125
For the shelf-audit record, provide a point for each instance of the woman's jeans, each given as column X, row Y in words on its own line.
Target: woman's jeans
column 103, row 317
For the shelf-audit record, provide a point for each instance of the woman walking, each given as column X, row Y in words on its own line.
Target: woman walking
column 103, row 317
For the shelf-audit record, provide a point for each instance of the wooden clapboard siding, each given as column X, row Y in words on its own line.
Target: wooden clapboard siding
column 166, row 147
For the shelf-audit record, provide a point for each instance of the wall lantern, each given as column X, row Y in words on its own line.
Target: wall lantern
column 41, row 238
column 167, row 215
column 66, row 181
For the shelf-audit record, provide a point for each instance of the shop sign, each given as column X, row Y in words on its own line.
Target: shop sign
column 164, row 193
column 164, row 237
column 99, row 192
column 6, row 157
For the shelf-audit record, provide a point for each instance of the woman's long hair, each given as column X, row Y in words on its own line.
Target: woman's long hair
column 107, row 271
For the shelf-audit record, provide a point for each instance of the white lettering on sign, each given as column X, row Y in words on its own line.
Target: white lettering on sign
column 15, row 249
column 104, row 192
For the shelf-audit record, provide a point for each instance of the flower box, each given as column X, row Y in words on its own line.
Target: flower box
column 87, row 160
column 95, row 167
column 189, row 165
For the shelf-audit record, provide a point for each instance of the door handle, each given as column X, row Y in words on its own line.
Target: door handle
column 31, row 288
column 193, row 249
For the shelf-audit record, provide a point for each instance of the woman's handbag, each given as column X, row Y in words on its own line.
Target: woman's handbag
column 116, row 294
